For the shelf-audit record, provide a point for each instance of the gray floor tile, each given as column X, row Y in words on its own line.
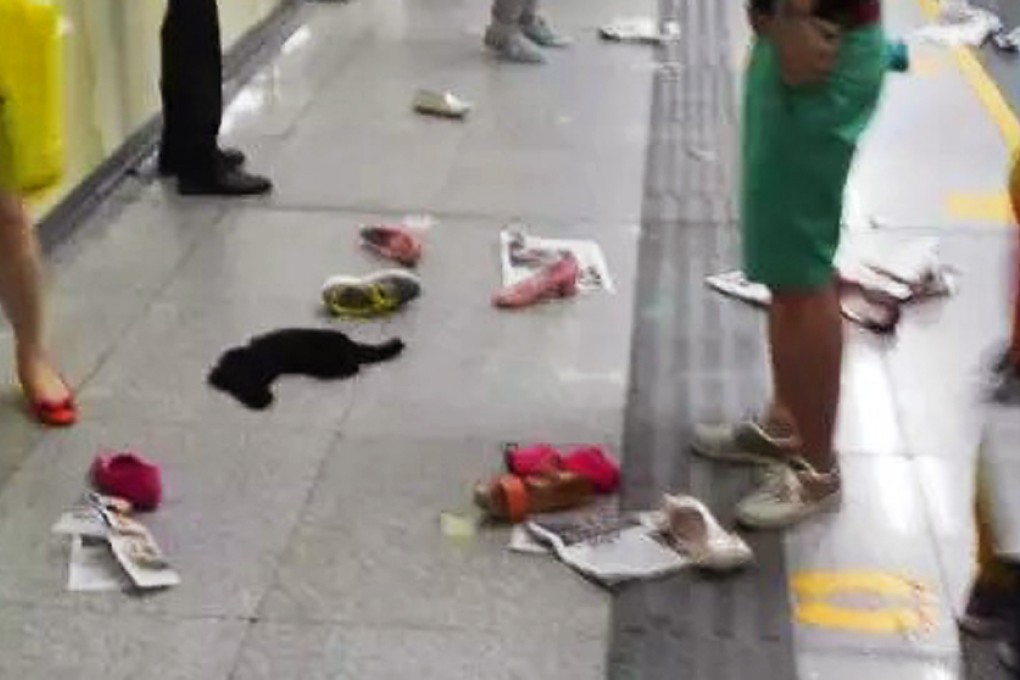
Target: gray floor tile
column 851, row 666
column 869, row 418
column 18, row 434
column 337, row 653
column 948, row 487
column 943, row 349
column 232, row 498
column 882, row 527
column 136, row 249
column 159, row 369
column 556, row 371
column 277, row 256
column 370, row 551
column 40, row 644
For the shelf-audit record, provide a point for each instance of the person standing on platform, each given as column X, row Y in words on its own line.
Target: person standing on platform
column 192, row 91
column 813, row 83
column 516, row 28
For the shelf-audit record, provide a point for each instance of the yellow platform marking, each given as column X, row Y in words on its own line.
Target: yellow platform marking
column 993, row 207
column 896, row 604
column 987, row 91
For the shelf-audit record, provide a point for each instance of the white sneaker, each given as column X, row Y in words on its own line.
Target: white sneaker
column 745, row 442
column 789, row 494
column 694, row 532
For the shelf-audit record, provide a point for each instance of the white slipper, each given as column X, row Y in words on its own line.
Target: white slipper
column 692, row 529
column 443, row 104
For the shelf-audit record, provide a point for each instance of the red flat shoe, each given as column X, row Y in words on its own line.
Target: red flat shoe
column 396, row 243
column 55, row 413
column 128, row 476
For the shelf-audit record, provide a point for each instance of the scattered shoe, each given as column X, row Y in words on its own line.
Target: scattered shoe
column 537, row 30
column 988, row 613
column 789, row 494
column 557, row 280
column 592, row 463
column 510, row 45
column 533, row 460
column 55, row 413
column 514, row 498
column 870, row 310
column 397, row 243
column 694, row 532
column 229, row 159
column 128, row 476
column 373, row 295
column 745, row 442
column 442, row 104
column 224, row 182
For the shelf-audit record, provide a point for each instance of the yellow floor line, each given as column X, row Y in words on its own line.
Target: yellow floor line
column 992, row 207
column 984, row 86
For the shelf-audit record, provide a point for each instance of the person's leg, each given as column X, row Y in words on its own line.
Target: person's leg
column 191, row 84
column 537, row 29
column 505, row 36
column 806, row 343
column 22, row 300
column 192, row 91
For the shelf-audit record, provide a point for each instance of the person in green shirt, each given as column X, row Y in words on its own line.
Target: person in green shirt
column 812, row 86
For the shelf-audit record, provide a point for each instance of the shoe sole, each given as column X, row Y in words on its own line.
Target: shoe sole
column 828, row 504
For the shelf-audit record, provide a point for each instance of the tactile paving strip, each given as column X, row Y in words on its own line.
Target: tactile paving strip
column 695, row 356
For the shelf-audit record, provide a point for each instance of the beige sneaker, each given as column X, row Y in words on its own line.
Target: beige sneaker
column 790, row 494
column 745, row 442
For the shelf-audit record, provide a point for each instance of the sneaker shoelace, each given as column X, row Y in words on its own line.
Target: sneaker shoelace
column 782, row 484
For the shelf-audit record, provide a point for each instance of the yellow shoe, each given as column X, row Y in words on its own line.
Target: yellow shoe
column 374, row 295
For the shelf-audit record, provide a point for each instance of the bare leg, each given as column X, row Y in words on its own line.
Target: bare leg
column 806, row 338
column 21, row 298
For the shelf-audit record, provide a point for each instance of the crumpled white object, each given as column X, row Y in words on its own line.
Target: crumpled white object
column 960, row 24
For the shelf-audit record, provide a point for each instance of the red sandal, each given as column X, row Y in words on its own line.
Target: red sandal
column 513, row 498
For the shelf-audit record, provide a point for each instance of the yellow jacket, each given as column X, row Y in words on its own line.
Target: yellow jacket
column 31, row 106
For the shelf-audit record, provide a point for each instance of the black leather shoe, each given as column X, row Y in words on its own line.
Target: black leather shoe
column 235, row 182
column 230, row 159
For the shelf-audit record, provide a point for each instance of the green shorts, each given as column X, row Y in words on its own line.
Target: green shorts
column 797, row 149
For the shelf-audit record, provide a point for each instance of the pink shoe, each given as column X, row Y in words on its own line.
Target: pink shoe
column 556, row 280
column 393, row 242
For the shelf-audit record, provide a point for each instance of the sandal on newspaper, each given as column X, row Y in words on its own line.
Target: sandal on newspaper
column 693, row 531
column 513, row 498
column 874, row 310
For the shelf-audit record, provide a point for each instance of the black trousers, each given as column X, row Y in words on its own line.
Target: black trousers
column 191, row 85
